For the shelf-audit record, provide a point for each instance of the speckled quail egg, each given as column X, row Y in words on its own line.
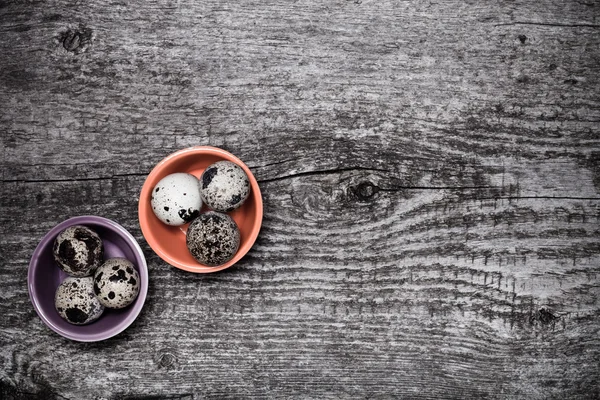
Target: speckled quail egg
column 213, row 238
column 78, row 250
column 224, row 186
column 76, row 302
column 176, row 199
column 116, row 283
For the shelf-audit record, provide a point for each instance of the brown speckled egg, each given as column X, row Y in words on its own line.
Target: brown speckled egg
column 78, row 250
column 224, row 186
column 116, row 283
column 213, row 238
column 75, row 301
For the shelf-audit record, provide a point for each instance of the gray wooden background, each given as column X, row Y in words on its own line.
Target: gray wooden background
column 431, row 182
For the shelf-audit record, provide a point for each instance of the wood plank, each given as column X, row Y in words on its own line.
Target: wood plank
column 430, row 174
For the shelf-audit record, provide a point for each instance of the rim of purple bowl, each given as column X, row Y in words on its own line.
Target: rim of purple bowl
column 136, row 308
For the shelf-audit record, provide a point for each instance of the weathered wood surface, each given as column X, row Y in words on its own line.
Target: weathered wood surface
column 431, row 179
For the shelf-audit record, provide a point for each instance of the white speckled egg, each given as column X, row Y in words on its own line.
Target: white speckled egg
column 176, row 199
column 116, row 283
column 76, row 302
column 224, row 186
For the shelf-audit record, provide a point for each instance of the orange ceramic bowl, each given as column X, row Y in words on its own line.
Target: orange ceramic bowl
column 169, row 241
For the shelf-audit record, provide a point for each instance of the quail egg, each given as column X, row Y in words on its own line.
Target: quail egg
column 213, row 238
column 116, row 283
column 78, row 250
column 176, row 199
column 75, row 301
column 224, row 186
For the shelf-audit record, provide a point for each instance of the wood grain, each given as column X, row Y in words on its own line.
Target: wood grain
column 431, row 182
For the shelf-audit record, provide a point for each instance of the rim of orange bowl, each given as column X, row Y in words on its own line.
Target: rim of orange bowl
column 143, row 208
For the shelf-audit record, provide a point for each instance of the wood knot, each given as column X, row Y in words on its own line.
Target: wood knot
column 544, row 316
column 522, row 38
column 365, row 190
column 166, row 360
column 77, row 40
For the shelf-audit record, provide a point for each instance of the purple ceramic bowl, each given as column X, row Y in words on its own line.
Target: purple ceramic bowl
column 44, row 276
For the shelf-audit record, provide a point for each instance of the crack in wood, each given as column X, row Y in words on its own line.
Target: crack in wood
column 397, row 188
column 99, row 178
column 551, row 24
column 320, row 172
column 540, row 198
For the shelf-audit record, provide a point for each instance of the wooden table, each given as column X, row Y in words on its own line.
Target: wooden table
column 431, row 181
